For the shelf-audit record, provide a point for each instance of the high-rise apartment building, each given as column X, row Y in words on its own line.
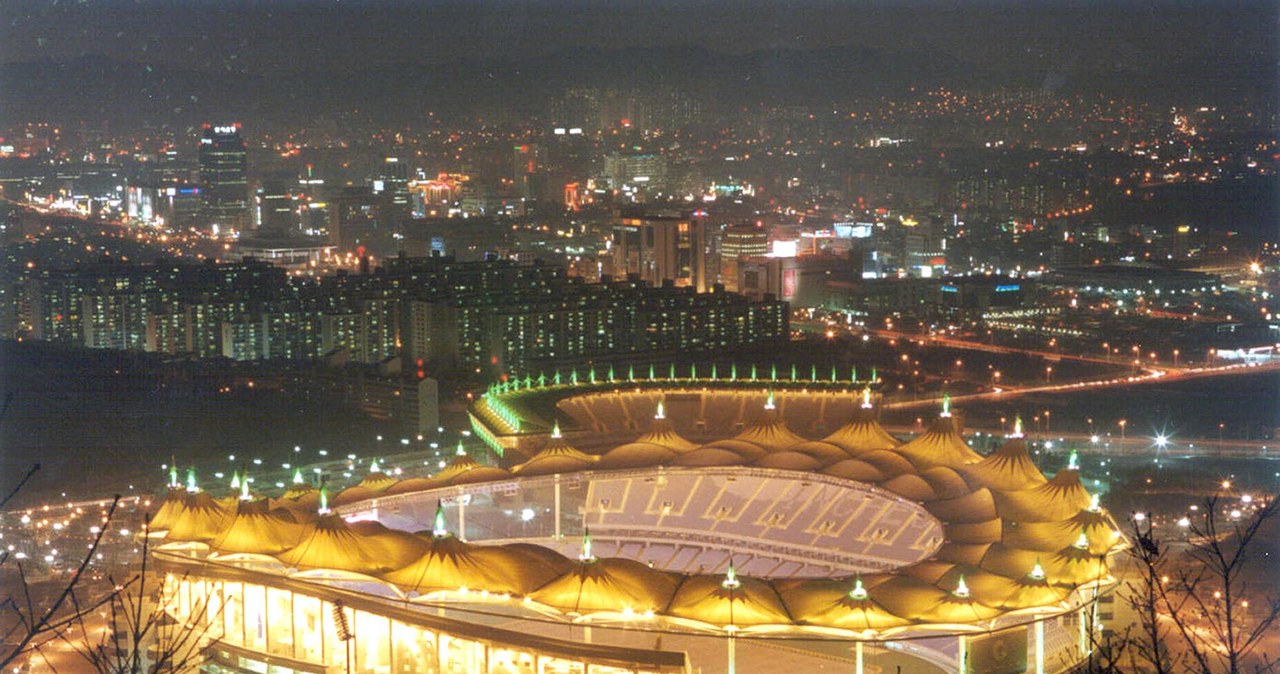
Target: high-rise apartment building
column 636, row 171
column 223, row 177
column 485, row 316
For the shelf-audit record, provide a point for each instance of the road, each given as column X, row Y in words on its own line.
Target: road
column 1138, row 445
column 934, row 340
column 1145, row 377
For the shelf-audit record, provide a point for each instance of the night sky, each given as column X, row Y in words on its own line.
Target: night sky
column 172, row 60
column 338, row 36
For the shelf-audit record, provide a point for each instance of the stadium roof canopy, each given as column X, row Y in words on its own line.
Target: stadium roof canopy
column 976, row 537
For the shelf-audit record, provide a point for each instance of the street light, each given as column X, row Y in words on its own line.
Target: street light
column 1122, row 423
column 1161, row 441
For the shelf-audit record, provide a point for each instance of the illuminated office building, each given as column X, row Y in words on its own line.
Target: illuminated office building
column 661, row 248
column 223, row 180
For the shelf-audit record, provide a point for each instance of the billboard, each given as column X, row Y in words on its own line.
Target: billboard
column 852, row 230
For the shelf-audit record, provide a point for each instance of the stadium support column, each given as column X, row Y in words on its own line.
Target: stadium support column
column 1040, row 646
column 1084, row 630
column 462, row 516
column 557, row 507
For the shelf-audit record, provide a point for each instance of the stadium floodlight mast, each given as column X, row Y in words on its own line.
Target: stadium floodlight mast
column 1082, row 542
column 439, row 530
column 1017, row 426
column 324, row 500
column 731, row 581
column 858, row 593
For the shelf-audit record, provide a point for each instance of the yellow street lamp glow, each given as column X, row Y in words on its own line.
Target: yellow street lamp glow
column 866, row 398
column 1017, row 427
column 1037, row 572
column 962, row 590
column 661, row 413
column 1082, row 542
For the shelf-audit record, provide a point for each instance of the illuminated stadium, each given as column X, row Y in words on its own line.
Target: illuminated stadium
column 658, row 524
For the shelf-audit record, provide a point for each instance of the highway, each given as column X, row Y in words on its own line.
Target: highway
column 1085, row 443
